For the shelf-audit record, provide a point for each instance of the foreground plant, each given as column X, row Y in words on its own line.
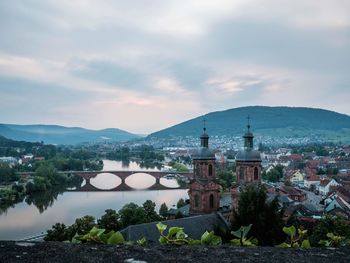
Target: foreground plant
column 177, row 236
column 98, row 235
column 334, row 241
column 295, row 239
column 242, row 239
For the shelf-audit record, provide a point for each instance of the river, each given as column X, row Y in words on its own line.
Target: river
column 24, row 220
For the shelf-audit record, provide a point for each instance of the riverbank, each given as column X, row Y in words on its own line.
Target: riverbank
column 62, row 252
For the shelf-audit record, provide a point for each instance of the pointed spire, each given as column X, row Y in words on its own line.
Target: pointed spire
column 248, row 136
column 204, row 137
column 248, row 125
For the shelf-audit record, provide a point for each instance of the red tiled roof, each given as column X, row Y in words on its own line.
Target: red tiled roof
column 324, row 182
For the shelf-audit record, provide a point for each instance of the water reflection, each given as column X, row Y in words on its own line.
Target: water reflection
column 140, row 181
column 105, row 181
column 22, row 219
column 169, row 182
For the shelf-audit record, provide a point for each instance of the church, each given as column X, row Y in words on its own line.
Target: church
column 204, row 189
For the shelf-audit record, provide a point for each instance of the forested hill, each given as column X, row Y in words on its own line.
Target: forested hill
column 54, row 134
column 270, row 121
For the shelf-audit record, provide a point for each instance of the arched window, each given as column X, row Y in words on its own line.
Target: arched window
column 211, row 201
column 197, row 169
column 256, row 173
column 210, row 170
column 196, row 201
column 241, row 173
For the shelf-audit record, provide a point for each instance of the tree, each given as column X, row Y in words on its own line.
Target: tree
column 180, row 203
column 226, row 178
column 329, row 224
column 131, row 214
column 7, row 174
column 266, row 218
column 58, row 232
column 163, row 210
column 151, row 214
column 109, row 221
column 81, row 226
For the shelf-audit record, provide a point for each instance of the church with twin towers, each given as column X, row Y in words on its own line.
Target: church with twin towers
column 204, row 189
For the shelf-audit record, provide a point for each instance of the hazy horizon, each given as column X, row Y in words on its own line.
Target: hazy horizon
column 142, row 67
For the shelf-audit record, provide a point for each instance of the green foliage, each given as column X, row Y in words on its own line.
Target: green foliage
column 335, row 241
column 242, row 237
column 179, row 167
column 57, row 233
column 98, row 235
column 296, row 238
column 132, row 214
column 7, row 174
column 329, row 224
column 163, row 210
column 150, row 212
column 177, row 236
column 109, row 221
column 274, row 175
column 209, row 238
column 266, row 217
column 225, row 178
column 180, row 203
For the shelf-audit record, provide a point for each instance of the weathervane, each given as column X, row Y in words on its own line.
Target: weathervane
column 204, row 128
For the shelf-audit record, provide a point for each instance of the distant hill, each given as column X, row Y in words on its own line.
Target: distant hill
column 266, row 121
column 54, row 134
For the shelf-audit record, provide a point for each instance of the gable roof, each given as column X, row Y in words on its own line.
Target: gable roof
column 194, row 226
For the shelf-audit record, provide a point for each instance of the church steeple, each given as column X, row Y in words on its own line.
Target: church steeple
column 204, row 137
column 248, row 137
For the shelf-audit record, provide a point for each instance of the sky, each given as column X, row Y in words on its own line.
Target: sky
column 144, row 65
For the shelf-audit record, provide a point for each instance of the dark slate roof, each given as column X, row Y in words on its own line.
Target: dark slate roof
column 204, row 153
column 185, row 210
column 248, row 155
column 194, row 226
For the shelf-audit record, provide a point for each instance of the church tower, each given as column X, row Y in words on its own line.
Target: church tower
column 248, row 161
column 204, row 189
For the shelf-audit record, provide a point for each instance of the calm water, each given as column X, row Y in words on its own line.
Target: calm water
column 24, row 220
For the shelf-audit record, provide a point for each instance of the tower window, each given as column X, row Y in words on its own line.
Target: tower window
column 197, row 169
column 196, row 200
column 211, row 201
column 241, row 173
column 256, row 173
column 210, row 170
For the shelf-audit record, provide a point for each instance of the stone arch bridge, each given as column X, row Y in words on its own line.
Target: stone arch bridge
column 88, row 175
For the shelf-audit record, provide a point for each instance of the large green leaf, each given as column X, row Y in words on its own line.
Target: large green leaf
column 305, row 244
column 161, row 227
column 290, row 231
column 174, row 230
column 116, row 238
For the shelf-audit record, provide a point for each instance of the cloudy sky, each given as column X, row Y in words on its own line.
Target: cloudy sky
column 145, row 65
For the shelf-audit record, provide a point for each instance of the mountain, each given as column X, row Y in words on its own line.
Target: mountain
column 266, row 121
column 55, row 134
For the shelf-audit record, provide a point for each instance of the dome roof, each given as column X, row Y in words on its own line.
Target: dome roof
column 248, row 155
column 204, row 153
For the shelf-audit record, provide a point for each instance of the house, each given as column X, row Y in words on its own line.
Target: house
column 293, row 193
column 296, row 177
column 324, row 186
column 336, row 204
column 312, row 181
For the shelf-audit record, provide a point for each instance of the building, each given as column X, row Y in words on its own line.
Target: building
column 324, row 186
column 248, row 161
column 204, row 188
column 248, row 167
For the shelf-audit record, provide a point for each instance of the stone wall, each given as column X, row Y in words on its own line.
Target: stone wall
column 62, row 252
